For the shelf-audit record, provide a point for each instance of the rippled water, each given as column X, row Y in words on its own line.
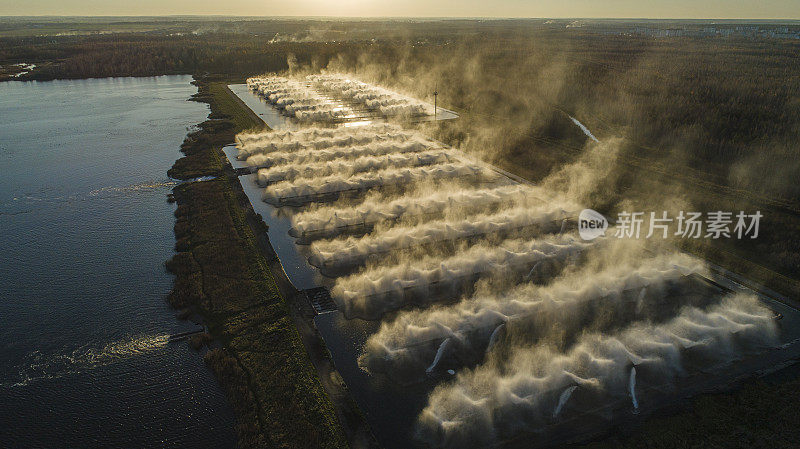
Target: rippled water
column 84, row 231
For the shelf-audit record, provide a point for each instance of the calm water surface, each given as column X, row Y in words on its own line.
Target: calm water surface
column 84, row 231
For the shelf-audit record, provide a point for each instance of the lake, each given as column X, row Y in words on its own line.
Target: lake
column 85, row 229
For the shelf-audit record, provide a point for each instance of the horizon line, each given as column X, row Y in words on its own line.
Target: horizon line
column 278, row 17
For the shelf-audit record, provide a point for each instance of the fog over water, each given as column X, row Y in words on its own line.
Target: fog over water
column 85, row 229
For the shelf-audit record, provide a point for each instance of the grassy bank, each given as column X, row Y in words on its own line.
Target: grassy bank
column 220, row 274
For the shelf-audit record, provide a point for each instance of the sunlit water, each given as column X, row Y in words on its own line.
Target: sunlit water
column 84, row 230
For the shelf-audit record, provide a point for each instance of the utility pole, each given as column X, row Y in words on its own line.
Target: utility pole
column 435, row 97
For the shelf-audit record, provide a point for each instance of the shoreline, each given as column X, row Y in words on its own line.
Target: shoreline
column 269, row 361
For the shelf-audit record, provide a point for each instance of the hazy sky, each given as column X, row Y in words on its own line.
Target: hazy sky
column 761, row 9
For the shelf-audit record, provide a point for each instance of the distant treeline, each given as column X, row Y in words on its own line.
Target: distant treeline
column 147, row 55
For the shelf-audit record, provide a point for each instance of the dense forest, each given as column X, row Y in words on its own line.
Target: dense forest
column 144, row 55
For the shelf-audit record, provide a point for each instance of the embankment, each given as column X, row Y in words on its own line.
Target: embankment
column 221, row 275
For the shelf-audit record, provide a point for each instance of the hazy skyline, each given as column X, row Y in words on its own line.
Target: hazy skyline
column 657, row 9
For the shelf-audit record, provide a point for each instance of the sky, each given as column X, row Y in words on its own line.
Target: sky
column 656, row 9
